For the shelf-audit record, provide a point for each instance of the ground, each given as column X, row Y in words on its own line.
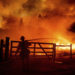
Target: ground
column 38, row 65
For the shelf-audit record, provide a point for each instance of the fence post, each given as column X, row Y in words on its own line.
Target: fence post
column 71, row 51
column 54, row 52
column 1, row 50
column 7, row 48
column 34, row 48
column 11, row 49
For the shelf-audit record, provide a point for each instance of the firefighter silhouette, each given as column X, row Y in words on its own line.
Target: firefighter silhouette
column 24, row 51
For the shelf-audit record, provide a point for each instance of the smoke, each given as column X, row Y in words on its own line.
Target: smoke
column 71, row 2
column 37, row 18
column 72, row 28
column 32, row 5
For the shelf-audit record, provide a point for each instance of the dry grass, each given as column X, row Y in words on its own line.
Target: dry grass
column 38, row 66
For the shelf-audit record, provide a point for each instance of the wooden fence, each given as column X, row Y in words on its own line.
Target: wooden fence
column 70, row 48
column 4, row 45
column 50, row 52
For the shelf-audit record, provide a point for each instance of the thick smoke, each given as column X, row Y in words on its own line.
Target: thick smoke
column 32, row 5
column 37, row 18
column 72, row 28
column 71, row 1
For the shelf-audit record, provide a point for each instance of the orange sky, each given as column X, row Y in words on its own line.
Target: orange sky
column 37, row 18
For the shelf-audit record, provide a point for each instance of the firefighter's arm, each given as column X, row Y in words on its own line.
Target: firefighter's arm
column 29, row 44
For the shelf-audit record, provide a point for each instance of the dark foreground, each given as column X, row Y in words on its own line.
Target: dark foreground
column 38, row 65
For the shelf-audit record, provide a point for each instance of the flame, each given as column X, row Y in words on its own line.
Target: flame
column 73, row 46
column 62, row 41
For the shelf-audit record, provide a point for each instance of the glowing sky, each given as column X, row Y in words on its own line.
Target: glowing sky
column 37, row 18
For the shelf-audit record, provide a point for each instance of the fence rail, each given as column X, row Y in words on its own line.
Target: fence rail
column 63, row 45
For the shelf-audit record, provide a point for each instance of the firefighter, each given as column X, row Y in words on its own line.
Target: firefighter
column 24, row 52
